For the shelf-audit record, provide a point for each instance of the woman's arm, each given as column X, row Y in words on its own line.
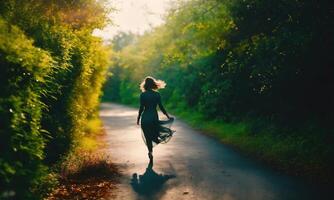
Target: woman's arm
column 141, row 109
column 162, row 107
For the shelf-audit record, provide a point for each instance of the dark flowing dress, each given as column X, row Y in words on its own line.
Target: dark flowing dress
column 154, row 131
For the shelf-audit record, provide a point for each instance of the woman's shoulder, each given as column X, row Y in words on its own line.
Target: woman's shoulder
column 156, row 93
column 150, row 93
column 145, row 93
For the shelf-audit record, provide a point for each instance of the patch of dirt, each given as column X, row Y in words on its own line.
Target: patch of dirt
column 92, row 182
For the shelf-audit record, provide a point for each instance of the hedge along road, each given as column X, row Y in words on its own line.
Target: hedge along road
column 192, row 166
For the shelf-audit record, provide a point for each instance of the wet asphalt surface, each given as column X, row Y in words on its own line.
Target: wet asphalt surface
column 192, row 166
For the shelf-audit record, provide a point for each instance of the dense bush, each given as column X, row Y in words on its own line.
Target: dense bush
column 23, row 69
column 52, row 69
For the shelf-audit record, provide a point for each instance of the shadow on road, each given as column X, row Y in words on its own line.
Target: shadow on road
column 150, row 183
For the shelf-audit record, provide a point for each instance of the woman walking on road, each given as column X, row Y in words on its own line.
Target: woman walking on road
column 154, row 131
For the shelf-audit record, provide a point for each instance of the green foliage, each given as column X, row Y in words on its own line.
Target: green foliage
column 23, row 69
column 264, row 62
column 52, row 70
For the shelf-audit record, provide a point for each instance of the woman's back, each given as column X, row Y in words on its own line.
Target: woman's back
column 148, row 103
column 149, row 99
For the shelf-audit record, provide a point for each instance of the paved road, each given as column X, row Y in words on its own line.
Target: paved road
column 192, row 166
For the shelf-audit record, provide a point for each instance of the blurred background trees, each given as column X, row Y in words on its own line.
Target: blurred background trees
column 270, row 59
column 268, row 64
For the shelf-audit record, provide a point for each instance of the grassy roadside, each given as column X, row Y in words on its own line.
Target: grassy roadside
column 87, row 171
column 303, row 155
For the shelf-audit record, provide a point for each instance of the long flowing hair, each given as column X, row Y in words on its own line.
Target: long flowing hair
column 150, row 83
